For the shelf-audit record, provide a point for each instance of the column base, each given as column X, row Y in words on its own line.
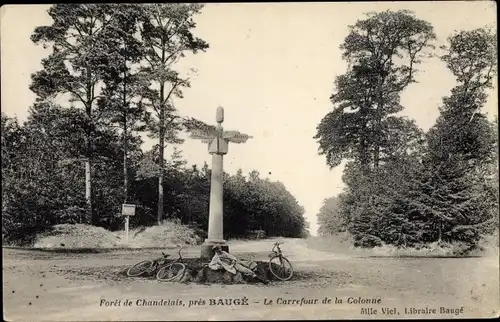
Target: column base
column 206, row 248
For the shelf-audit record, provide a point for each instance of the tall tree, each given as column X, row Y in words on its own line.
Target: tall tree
column 121, row 102
column 462, row 129
column 166, row 35
column 462, row 142
column 382, row 51
column 80, row 37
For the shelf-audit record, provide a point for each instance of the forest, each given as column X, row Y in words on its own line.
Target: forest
column 404, row 186
column 110, row 81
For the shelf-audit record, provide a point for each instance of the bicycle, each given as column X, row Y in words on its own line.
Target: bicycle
column 147, row 266
column 172, row 271
column 279, row 265
column 152, row 266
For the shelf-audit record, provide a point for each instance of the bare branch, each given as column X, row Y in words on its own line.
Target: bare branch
column 174, row 86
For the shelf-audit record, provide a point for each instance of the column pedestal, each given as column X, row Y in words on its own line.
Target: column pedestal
column 207, row 251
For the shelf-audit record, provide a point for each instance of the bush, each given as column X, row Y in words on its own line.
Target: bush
column 71, row 215
column 256, row 234
column 367, row 241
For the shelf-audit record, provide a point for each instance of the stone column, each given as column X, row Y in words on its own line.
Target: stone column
column 216, row 212
column 217, row 148
column 215, row 223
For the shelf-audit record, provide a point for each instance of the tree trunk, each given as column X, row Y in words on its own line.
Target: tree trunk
column 363, row 148
column 376, row 153
column 162, row 151
column 88, row 191
column 125, row 142
column 363, row 156
column 89, row 152
column 88, row 174
column 440, row 227
column 377, row 123
column 363, row 153
column 125, row 166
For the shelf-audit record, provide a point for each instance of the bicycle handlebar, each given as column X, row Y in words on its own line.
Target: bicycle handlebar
column 277, row 245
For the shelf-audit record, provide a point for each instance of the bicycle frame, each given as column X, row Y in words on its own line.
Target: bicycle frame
column 158, row 262
column 163, row 260
column 277, row 253
column 179, row 259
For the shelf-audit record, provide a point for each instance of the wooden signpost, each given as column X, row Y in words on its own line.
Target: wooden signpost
column 127, row 211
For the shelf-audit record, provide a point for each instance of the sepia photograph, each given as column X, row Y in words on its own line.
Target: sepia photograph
column 250, row 161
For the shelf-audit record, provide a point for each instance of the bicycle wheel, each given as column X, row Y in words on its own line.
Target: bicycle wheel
column 140, row 268
column 281, row 268
column 171, row 272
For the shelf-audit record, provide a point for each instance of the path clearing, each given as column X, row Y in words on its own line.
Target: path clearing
column 45, row 281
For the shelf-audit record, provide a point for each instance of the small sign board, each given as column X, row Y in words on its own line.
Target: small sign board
column 128, row 210
column 236, row 137
column 203, row 135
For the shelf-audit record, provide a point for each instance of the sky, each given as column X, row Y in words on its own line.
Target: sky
column 272, row 67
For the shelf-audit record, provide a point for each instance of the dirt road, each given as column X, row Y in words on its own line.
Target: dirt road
column 59, row 286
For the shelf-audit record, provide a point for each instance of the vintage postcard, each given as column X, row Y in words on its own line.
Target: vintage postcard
column 250, row 161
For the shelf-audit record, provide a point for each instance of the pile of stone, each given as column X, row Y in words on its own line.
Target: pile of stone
column 170, row 233
column 76, row 236
column 203, row 274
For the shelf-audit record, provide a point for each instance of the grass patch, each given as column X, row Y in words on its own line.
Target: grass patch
column 488, row 246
